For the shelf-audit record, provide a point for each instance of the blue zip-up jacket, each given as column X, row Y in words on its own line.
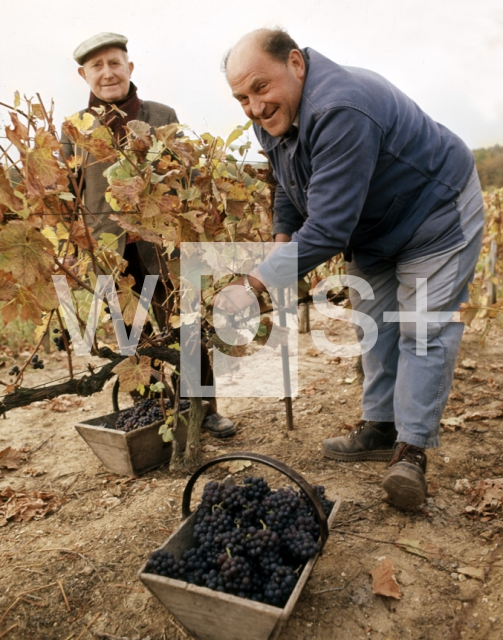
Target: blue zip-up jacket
column 366, row 173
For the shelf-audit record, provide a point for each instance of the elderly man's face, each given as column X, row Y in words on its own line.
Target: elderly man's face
column 269, row 91
column 107, row 72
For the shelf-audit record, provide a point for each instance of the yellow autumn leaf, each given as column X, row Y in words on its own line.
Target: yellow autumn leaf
column 82, row 123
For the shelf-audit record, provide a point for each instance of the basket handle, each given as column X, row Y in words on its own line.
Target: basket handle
column 270, row 462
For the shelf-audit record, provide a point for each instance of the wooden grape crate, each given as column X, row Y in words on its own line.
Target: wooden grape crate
column 212, row 615
column 135, row 452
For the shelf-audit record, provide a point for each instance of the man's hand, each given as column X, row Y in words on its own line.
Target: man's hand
column 234, row 299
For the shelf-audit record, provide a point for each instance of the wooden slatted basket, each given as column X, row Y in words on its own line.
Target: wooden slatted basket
column 212, row 615
column 135, row 452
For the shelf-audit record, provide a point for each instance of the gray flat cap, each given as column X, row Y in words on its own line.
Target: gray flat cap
column 97, row 42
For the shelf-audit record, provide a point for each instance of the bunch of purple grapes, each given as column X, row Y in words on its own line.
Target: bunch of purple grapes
column 144, row 412
column 59, row 340
column 251, row 542
column 141, row 414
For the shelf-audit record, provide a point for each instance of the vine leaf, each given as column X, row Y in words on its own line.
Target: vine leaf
column 132, row 373
column 127, row 192
column 8, row 200
column 45, row 294
column 27, row 253
column 158, row 201
column 99, row 148
column 144, row 234
column 41, row 166
column 127, row 299
column 79, row 236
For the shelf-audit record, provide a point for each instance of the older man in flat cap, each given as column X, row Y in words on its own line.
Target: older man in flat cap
column 105, row 66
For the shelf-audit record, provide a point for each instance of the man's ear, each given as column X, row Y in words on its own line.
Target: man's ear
column 296, row 59
column 82, row 73
column 131, row 67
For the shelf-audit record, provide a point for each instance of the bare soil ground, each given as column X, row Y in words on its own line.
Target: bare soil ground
column 72, row 573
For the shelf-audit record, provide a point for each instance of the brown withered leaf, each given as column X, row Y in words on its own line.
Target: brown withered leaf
column 132, row 373
column 141, row 130
column 8, row 201
column 30, row 308
column 79, row 235
column 384, row 582
column 11, row 458
column 94, row 143
column 28, row 253
column 63, row 403
column 419, row 548
column 473, row 572
column 26, row 505
column 18, row 135
column 486, row 498
column 158, row 201
column 127, row 299
column 45, row 294
column 166, row 133
column 7, row 290
column 127, row 192
column 137, row 230
column 41, row 165
column 196, row 218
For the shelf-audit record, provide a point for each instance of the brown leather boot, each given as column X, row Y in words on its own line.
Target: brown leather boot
column 405, row 483
column 370, row 440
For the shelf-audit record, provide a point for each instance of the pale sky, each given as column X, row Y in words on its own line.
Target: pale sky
column 446, row 54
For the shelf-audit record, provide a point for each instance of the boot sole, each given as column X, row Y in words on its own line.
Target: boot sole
column 383, row 455
column 221, row 434
column 406, row 486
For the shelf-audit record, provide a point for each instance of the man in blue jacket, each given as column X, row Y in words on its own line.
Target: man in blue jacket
column 362, row 170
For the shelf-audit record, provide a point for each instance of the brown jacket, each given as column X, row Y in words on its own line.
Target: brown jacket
column 95, row 184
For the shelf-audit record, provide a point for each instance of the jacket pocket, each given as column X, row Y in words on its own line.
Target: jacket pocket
column 386, row 223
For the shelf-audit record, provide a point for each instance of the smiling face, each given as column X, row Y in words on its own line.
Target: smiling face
column 107, row 71
column 268, row 89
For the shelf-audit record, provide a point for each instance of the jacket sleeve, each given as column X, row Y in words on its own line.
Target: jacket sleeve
column 345, row 145
column 286, row 219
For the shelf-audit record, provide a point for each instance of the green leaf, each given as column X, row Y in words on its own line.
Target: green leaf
column 174, row 346
column 166, row 433
column 141, row 388
column 157, row 387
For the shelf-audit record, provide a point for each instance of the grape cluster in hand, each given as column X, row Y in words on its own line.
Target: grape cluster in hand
column 252, row 542
column 59, row 341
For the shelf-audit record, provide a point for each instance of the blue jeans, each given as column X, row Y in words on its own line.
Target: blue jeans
column 400, row 385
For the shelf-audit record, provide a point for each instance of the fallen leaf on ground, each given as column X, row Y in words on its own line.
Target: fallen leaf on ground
column 236, row 465
column 486, row 498
column 473, row 572
column 462, row 485
column 467, row 363
column 63, row 403
column 419, row 547
column 26, row 505
column 33, row 473
column 384, row 582
column 11, row 458
column 451, row 424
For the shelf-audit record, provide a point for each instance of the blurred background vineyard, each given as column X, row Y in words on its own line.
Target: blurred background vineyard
column 490, row 167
